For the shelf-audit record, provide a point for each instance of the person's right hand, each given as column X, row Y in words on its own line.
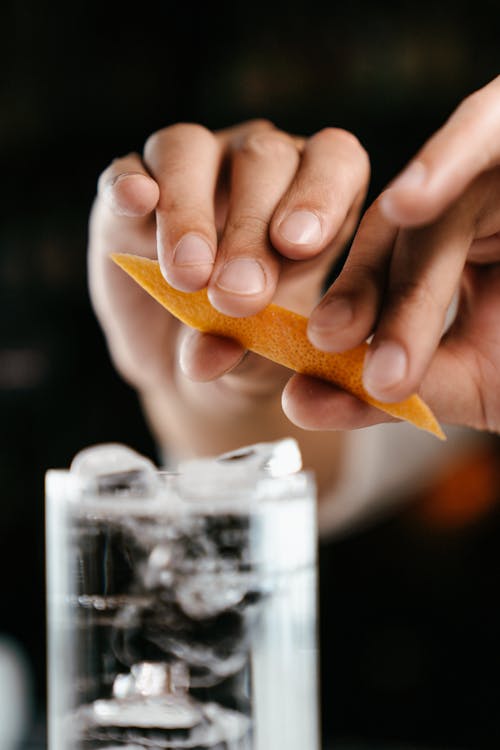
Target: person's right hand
column 428, row 246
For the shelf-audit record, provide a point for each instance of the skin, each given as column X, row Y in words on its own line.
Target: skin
column 431, row 237
column 212, row 207
column 256, row 214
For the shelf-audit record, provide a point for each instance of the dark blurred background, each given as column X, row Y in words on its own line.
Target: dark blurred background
column 411, row 620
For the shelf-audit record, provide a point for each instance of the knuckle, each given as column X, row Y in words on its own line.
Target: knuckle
column 183, row 219
column 170, row 203
column 234, row 134
column 364, row 277
column 175, row 135
column 248, row 224
column 415, row 293
column 190, row 130
column 267, row 144
column 260, row 124
column 339, row 135
column 349, row 142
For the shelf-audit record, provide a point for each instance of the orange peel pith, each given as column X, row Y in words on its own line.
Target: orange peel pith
column 275, row 333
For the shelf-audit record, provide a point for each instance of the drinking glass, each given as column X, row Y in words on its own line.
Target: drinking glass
column 182, row 606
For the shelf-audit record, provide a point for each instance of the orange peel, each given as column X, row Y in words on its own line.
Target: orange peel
column 276, row 333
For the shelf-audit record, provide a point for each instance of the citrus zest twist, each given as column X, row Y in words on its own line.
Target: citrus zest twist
column 275, row 333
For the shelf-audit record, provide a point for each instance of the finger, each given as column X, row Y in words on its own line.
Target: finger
column 234, row 136
column 461, row 384
column 468, row 144
column 485, row 193
column 425, row 273
column 247, row 268
column 122, row 218
column 486, row 249
column 127, row 189
column 332, row 180
column 347, row 314
column 185, row 160
column 315, row 405
column 451, row 388
column 204, row 357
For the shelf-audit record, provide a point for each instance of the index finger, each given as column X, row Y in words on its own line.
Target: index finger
column 467, row 145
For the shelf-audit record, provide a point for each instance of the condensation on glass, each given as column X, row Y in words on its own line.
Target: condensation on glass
column 182, row 607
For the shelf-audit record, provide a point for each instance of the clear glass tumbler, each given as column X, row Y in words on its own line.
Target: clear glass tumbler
column 182, row 607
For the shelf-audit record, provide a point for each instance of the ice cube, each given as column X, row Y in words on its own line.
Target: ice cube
column 166, row 712
column 164, row 722
column 157, row 571
column 242, row 467
column 149, row 679
column 123, row 686
column 201, row 596
column 276, row 459
column 114, row 469
column 158, row 678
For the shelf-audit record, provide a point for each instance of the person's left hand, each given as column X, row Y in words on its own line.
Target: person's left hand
column 434, row 234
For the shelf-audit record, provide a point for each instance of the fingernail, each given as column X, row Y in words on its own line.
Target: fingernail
column 242, row 276
column 122, row 176
column 301, row 228
column 192, row 250
column 385, row 367
column 117, row 199
column 328, row 319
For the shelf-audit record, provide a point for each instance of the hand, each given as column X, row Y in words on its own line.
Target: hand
column 251, row 212
column 432, row 236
